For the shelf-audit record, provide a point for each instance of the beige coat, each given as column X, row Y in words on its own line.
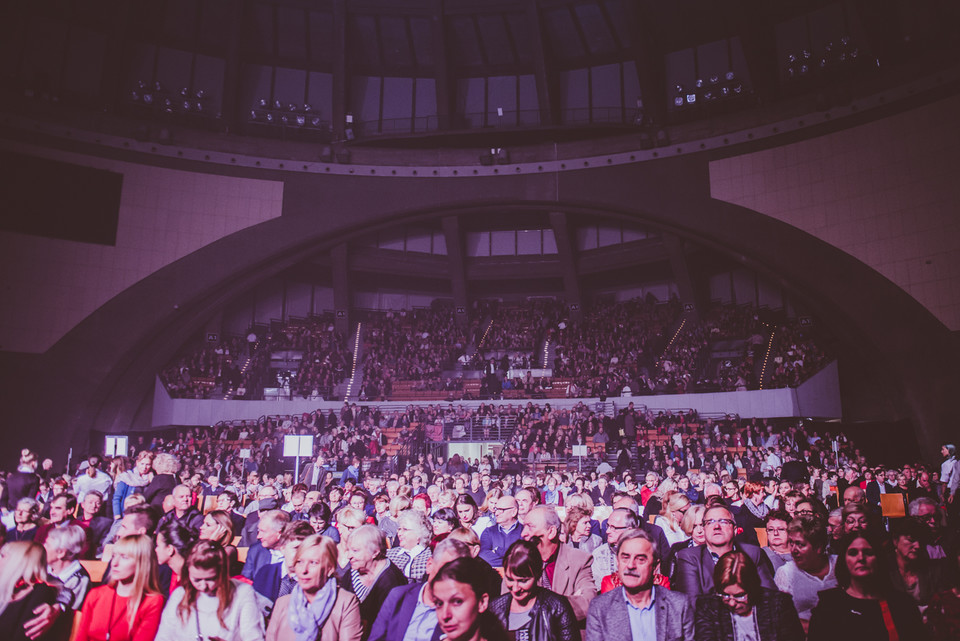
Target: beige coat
column 344, row 623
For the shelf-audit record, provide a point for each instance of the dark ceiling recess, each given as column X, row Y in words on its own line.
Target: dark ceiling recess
column 345, row 71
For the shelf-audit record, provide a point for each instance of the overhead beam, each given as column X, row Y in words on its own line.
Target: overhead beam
column 340, row 79
column 546, row 89
column 648, row 58
column 681, row 274
column 341, row 288
column 568, row 266
column 458, row 278
column 441, row 68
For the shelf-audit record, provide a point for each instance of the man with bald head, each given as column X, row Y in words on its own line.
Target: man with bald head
column 495, row 540
column 183, row 511
column 566, row 571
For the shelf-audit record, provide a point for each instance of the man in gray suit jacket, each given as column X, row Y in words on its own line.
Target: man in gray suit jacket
column 639, row 610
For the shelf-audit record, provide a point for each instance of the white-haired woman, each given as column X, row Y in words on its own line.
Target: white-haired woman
column 166, row 467
column 412, row 552
column 675, row 505
column 371, row 575
column 63, row 546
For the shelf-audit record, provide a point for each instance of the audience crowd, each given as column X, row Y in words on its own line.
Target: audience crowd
column 630, row 348
column 705, row 529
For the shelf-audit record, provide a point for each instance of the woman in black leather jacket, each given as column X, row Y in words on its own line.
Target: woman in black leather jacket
column 529, row 612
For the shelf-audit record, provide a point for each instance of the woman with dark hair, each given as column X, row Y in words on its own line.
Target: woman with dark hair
column 173, row 546
column 320, row 516
column 542, row 614
column 210, row 604
column 864, row 606
column 742, row 608
column 469, row 514
column 444, row 521
column 462, row 600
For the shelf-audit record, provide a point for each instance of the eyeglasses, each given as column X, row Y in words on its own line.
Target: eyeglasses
column 726, row 522
column 776, row 530
column 739, row 598
column 503, row 509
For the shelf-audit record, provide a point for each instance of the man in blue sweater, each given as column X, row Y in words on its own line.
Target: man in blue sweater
column 495, row 540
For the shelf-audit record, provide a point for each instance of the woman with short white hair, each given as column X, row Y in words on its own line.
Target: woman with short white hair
column 63, row 546
column 371, row 576
column 412, row 552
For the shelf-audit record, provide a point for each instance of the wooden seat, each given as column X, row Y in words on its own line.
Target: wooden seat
column 762, row 536
column 242, row 554
column 96, row 570
column 892, row 506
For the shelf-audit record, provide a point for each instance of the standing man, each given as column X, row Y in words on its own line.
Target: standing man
column 639, row 610
column 950, row 477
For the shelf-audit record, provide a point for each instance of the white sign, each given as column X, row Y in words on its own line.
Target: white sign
column 117, row 446
column 245, row 452
column 580, row 450
column 294, row 445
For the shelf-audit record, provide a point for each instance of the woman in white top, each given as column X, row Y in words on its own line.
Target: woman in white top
column 209, row 604
column 675, row 504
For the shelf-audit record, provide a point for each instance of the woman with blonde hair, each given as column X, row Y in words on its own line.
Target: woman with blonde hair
column 675, row 505
column 654, row 503
column 692, row 526
column 348, row 520
column 317, row 608
column 576, row 523
column 127, row 608
column 132, row 481
column 23, row 586
column 208, row 603
column 217, row 526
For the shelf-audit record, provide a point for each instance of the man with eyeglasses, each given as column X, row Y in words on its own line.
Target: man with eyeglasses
column 693, row 570
column 495, row 540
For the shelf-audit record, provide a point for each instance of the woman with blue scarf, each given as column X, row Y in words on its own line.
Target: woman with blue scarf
column 317, row 609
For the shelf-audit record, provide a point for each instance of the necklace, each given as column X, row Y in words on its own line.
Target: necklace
column 113, row 602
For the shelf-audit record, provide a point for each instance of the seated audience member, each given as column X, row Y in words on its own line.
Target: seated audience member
column 316, row 608
column 469, row 514
column 266, row 549
column 278, row 578
column 864, row 605
column 943, row 612
column 468, row 537
column 63, row 547
column 835, row 530
column 409, row 611
column 23, row 587
column 183, row 512
column 348, row 520
column 693, row 567
column 26, row 517
column 528, row 610
column 692, row 524
column 412, row 552
column 165, row 467
column 811, row 570
column 138, row 519
column 61, row 511
column 856, row 518
column 497, row 538
column 444, row 521
column 911, row 572
column 96, row 526
column 209, row 604
column 320, row 516
column 778, row 546
column 577, row 525
column 132, row 482
column 742, row 608
column 567, row 572
column 128, row 606
column 462, row 603
column 939, row 542
column 173, row 545
column 371, row 576
column 217, row 526
column 613, row 616
column 675, row 505
column 753, row 512
column 267, row 501
column 227, row 502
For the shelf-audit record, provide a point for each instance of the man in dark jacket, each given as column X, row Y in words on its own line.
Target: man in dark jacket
column 183, row 511
column 693, row 568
